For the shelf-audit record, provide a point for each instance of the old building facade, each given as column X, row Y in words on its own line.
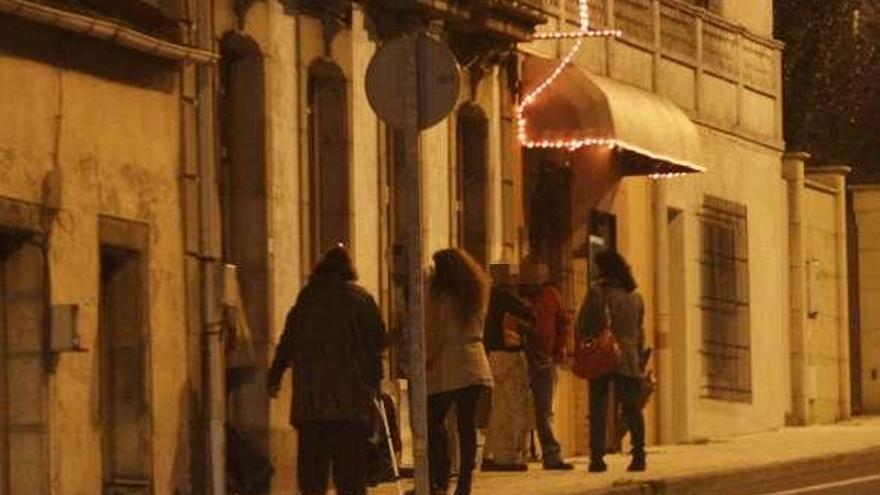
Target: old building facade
column 145, row 144
column 95, row 382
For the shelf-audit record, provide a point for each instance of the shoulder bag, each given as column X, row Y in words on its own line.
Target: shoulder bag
column 597, row 355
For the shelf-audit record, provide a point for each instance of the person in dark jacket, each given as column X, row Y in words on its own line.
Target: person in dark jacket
column 333, row 341
column 615, row 295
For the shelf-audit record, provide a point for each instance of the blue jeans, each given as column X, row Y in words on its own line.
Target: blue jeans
column 543, row 383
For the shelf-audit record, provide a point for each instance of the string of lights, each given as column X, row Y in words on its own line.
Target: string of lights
column 584, row 32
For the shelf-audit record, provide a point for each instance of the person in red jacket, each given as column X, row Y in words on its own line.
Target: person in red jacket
column 546, row 348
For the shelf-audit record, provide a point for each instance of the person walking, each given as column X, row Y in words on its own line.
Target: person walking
column 333, row 340
column 546, row 348
column 615, row 295
column 457, row 369
column 509, row 317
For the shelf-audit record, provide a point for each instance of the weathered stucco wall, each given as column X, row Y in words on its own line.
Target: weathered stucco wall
column 116, row 145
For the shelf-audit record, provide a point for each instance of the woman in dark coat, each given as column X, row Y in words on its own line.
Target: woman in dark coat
column 616, row 291
column 333, row 340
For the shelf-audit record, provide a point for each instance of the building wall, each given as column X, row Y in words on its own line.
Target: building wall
column 867, row 210
column 749, row 175
column 115, row 142
column 740, row 126
column 289, row 43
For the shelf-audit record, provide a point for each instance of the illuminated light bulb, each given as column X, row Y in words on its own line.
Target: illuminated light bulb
column 529, row 99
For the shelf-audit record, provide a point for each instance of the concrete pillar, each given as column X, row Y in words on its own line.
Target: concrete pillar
column 793, row 172
column 665, row 368
column 835, row 176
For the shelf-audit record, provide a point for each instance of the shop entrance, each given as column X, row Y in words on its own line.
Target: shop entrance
column 23, row 379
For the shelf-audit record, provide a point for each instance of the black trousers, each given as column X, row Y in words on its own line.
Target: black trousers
column 339, row 444
column 628, row 391
column 465, row 400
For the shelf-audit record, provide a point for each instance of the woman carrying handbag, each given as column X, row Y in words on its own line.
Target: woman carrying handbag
column 611, row 340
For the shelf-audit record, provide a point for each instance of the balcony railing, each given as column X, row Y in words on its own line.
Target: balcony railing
column 689, row 39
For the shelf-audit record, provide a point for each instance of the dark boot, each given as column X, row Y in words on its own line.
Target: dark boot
column 463, row 487
column 638, row 463
column 597, row 465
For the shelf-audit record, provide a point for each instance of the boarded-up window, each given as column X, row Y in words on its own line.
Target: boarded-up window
column 124, row 341
column 328, row 156
column 726, row 346
column 473, row 182
column 23, row 417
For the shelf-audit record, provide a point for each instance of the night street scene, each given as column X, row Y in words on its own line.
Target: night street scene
column 439, row 247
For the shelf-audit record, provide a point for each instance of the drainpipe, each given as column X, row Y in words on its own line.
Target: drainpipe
column 213, row 365
column 665, row 378
column 793, row 172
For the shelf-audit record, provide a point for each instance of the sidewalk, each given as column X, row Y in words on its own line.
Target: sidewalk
column 743, row 464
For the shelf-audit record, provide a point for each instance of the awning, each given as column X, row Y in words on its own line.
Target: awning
column 654, row 135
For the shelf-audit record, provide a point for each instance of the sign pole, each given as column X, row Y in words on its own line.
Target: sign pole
column 413, row 105
column 413, row 83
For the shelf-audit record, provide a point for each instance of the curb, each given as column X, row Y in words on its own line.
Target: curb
column 760, row 479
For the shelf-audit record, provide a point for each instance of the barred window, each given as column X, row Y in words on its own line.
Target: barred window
column 726, row 345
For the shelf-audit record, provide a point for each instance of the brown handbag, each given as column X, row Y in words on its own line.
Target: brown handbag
column 597, row 355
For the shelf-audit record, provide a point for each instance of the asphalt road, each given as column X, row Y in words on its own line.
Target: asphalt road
column 862, row 485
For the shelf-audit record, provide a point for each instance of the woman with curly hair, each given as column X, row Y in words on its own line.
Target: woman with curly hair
column 456, row 364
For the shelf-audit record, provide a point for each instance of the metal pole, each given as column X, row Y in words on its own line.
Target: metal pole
column 415, row 303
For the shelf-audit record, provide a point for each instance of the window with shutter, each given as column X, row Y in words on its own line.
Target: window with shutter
column 328, row 156
column 123, row 341
column 473, row 181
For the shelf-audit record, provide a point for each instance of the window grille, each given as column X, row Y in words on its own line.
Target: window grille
column 726, row 345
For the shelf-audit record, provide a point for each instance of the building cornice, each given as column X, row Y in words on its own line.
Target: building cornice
column 105, row 30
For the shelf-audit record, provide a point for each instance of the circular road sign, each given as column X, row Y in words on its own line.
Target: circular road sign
column 439, row 80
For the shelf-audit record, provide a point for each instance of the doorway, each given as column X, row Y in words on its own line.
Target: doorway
column 123, row 344
column 24, row 455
